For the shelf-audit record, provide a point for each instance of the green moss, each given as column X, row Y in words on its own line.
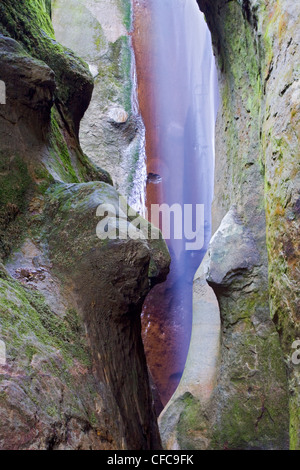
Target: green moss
column 13, row 188
column 126, row 10
column 295, row 421
column 60, row 151
column 117, row 73
column 37, row 37
column 13, row 200
column 30, row 326
column 255, row 417
column 242, row 72
column 48, row 7
column 192, row 428
column 29, row 11
column 3, row 396
column 41, row 344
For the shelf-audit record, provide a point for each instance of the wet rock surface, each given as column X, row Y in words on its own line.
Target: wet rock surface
column 98, row 31
column 255, row 401
column 174, row 95
column 245, row 406
column 69, row 302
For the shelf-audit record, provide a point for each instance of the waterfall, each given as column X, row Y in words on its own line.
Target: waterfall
column 137, row 197
column 186, row 95
column 177, row 73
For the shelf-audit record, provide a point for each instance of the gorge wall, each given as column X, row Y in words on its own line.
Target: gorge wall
column 252, row 260
column 111, row 132
column 174, row 58
column 75, row 374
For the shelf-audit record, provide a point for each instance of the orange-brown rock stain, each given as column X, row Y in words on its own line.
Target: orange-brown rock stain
column 162, row 318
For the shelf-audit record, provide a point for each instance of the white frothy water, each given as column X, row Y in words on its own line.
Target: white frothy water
column 186, row 102
column 183, row 101
column 137, row 198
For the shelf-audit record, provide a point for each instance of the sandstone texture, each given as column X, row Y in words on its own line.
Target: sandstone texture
column 110, row 132
column 252, row 260
column 75, row 374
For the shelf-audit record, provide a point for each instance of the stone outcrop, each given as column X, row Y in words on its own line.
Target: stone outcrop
column 251, row 263
column 245, row 405
column 110, row 133
column 75, row 374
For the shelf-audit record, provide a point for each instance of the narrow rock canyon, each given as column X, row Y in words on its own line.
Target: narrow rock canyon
column 108, row 107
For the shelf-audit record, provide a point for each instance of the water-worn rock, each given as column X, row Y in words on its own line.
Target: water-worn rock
column 110, row 133
column 246, row 407
column 75, row 374
column 202, row 366
column 253, row 254
column 110, row 280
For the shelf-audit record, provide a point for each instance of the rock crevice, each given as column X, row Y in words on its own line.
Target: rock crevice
column 252, row 256
column 75, row 374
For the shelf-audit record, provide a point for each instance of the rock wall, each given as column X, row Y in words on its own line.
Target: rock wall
column 74, row 375
column 110, row 132
column 251, row 263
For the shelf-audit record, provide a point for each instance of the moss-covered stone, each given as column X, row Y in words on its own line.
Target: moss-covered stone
column 126, row 9
column 37, row 37
column 82, row 26
column 48, row 352
column 256, row 176
column 28, row 324
column 61, row 387
column 248, row 407
column 46, row 148
column 192, row 430
column 110, row 278
column 259, row 78
column 14, row 185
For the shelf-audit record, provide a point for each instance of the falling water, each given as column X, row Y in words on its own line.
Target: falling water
column 178, row 96
column 137, row 197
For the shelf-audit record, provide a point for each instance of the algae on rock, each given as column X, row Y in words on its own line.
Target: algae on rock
column 256, row 44
column 60, row 387
column 110, row 132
